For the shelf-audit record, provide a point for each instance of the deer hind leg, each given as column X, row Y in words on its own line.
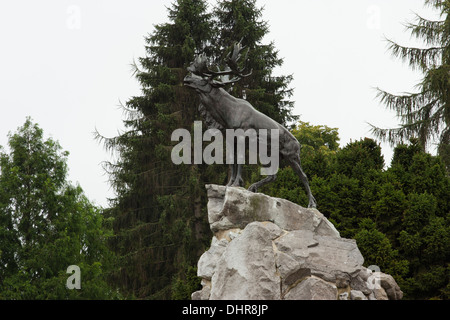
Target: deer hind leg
column 254, row 187
column 236, row 176
column 295, row 164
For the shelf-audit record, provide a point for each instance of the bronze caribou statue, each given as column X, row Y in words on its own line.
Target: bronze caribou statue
column 228, row 112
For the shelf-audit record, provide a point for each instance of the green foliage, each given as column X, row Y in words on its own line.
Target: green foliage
column 377, row 250
column 47, row 224
column 183, row 288
column 316, row 138
column 399, row 216
column 240, row 20
column 319, row 145
column 159, row 225
column 159, row 211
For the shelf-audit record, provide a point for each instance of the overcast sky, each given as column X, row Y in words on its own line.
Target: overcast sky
column 67, row 65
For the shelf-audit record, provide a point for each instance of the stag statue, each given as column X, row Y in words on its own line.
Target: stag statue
column 229, row 112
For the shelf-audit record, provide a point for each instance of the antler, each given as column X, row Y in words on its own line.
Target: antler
column 199, row 66
column 232, row 62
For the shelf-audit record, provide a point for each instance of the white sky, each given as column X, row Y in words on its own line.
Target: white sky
column 67, row 65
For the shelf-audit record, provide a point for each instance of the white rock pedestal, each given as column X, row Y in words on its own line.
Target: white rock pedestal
column 267, row 248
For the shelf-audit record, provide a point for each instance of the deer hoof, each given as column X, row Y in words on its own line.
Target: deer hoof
column 312, row 205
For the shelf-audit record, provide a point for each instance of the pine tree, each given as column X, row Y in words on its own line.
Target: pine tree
column 159, row 224
column 425, row 114
column 241, row 21
column 160, row 218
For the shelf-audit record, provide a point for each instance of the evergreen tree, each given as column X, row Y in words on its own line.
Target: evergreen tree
column 241, row 21
column 159, row 212
column 399, row 215
column 423, row 232
column 47, row 225
column 425, row 114
column 159, row 222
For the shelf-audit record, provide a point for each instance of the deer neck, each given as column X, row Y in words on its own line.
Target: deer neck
column 214, row 102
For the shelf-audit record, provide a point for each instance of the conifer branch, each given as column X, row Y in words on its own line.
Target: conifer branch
column 422, row 59
column 438, row 4
column 406, row 103
column 427, row 30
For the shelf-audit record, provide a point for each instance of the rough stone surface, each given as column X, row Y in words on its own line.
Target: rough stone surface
column 357, row 295
column 312, row 289
column 230, row 208
column 246, row 270
column 270, row 249
column 208, row 261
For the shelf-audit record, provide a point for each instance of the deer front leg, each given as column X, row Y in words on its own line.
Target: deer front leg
column 238, row 181
column 232, row 175
column 236, row 172
column 236, row 176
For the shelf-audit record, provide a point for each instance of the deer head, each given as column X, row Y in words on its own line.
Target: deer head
column 203, row 79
